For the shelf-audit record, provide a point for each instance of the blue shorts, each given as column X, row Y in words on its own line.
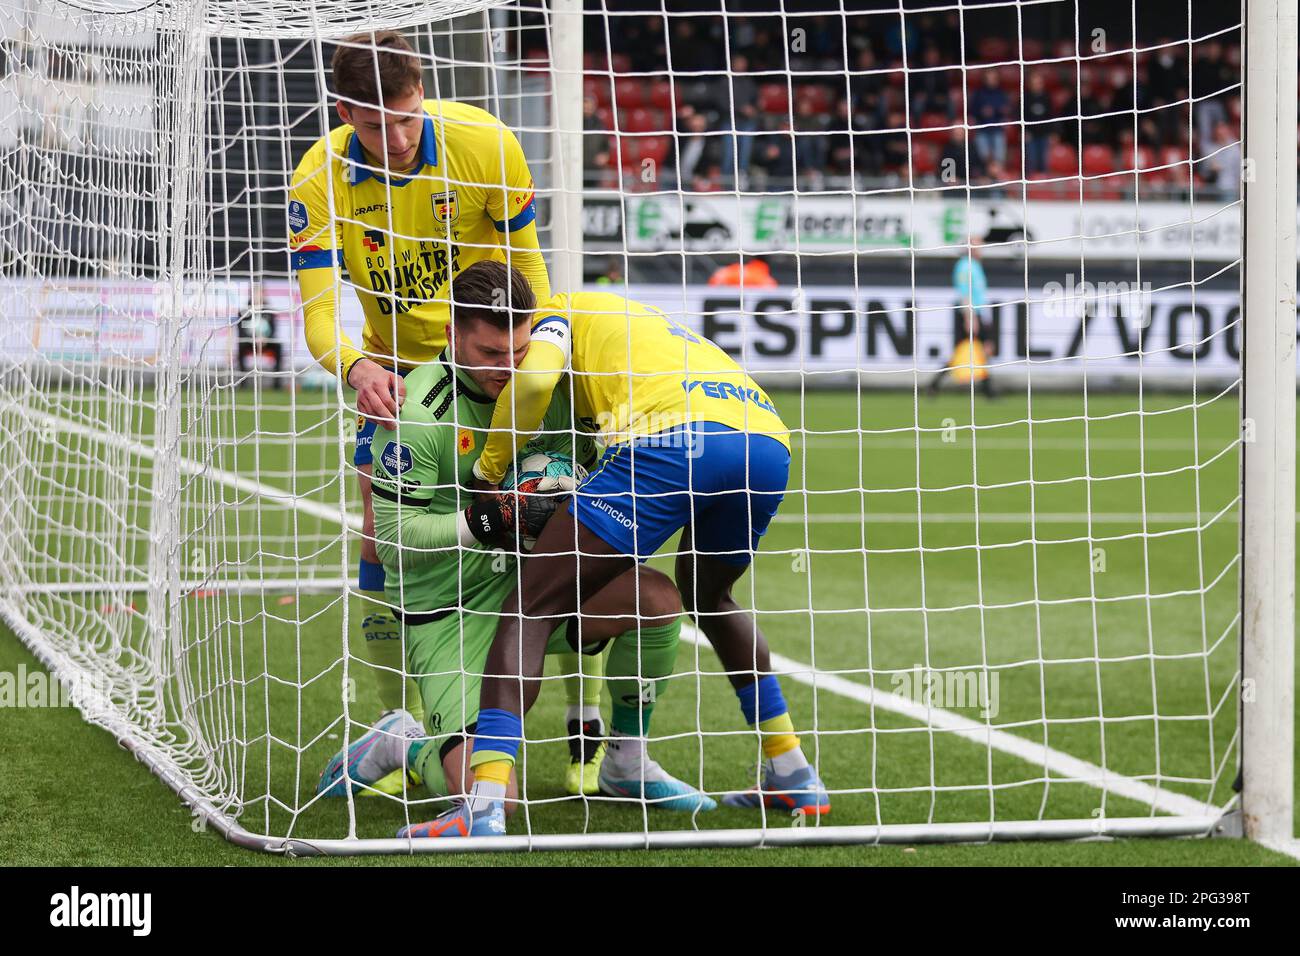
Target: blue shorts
column 726, row 484
column 365, row 435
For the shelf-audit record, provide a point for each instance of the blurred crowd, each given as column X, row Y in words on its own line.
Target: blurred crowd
column 774, row 104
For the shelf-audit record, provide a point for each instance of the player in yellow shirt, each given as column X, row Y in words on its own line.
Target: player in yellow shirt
column 692, row 443
column 404, row 196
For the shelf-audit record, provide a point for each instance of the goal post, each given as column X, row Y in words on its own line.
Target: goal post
column 1061, row 609
column 1269, row 370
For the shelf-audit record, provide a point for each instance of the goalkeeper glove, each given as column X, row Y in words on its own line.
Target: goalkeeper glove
column 513, row 519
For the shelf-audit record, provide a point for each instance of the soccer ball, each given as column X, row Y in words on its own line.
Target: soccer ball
column 537, row 473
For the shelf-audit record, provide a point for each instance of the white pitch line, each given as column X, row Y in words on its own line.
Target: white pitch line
column 1070, row 769
column 962, row 442
column 993, row 517
column 279, row 496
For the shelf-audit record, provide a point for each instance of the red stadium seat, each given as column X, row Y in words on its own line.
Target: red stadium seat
column 642, row 121
column 1062, row 160
column 774, row 98
column 1098, row 160
column 634, row 151
column 655, row 148
column 663, row 95
column 932, row 128
column 925, row 158
column 1031, row 49
column 818, row 97
column 629, row 92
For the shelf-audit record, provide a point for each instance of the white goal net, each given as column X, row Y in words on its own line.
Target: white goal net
column 986, row 261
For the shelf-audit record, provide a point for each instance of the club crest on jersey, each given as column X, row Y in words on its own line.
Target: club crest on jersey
column 465, row 441
column 374, row 239
column 445, row 209
column 298, row 220
column 396, row 458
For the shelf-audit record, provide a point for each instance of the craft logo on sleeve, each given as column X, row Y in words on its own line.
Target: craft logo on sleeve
column 77, row 909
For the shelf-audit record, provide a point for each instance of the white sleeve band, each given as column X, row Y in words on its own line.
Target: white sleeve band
column 555, row 330
column 464, row 537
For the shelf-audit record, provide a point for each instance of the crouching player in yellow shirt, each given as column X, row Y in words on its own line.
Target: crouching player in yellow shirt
column 694, row 444
column 405, row 195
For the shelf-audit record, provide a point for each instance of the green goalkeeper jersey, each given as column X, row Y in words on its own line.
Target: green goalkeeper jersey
column 422, row 472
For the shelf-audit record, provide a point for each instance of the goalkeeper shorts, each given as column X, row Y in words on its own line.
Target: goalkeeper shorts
column 726, row 484
column 445, row 655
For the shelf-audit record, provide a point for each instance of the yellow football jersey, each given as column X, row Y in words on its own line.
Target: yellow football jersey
column 633, row 372
column 403, row 238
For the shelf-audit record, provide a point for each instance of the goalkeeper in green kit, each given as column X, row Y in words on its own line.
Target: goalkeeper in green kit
column 449, row 589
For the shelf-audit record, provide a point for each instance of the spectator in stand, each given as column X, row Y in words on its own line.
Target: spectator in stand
column 866, row 84
column 929, row 85
column 739, row 105
column 766, row 54
column 895, row 38
column 953, row 169
column 693, row 47
column 895, row 149
column 1225, row 161
column 1211, row 79
column 774, row 159
column 945, row 34
column 823, row 37
column 694, row 154
column 1167, row 74
column 1104, row 126
column 846, row 135
column 990, row 105
column 810, row 146
column 595, row 139
column 1038, row 132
